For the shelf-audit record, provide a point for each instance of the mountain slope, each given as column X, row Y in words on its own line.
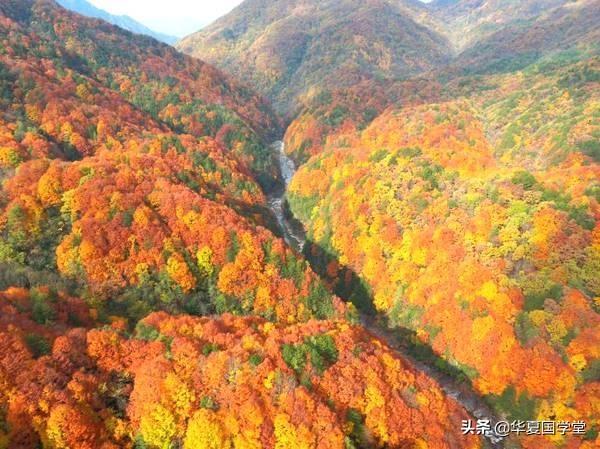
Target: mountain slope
column 551, row 35
column 123, row 160
column 188, row 94
column 571, row 29
column 472, row 221
column 87, row 9
column 221, row 382
column 467, row 21
column 291, row 49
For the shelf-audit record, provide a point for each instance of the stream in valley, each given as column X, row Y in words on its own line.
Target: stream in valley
column 295, row 236
column 292, row 233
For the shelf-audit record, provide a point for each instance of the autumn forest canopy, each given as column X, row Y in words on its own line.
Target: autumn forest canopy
column 447, row 198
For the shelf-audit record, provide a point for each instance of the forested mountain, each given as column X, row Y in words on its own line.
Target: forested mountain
column 557, row 34
column 472, row 220
column 131, row 205
column 467, row 21
column 463, row 205
column 291, row 49
column 223, row 382
column 571, row 28
column 87, row 9
column 124, row 162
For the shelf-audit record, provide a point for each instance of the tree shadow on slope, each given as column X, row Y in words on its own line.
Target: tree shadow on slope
column 348, row 285
column 342, row 280
column 455, row 380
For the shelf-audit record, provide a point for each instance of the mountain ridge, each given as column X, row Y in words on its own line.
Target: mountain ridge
column 569, row 27
column 469, row 21
column 287, row 48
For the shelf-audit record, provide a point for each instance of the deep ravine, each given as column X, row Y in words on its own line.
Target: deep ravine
column 296, row 238
column 276, row 199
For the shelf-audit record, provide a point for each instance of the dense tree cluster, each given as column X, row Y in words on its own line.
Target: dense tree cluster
column 550, row 106
column 75, row 87
column 335, row 115
column 207, row 383
column 158, row 230
column 485, row 247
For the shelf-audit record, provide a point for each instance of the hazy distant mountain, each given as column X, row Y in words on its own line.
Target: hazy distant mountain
column 87, row 9
column 290, row 49
column 571, row 27
column 467, row 21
